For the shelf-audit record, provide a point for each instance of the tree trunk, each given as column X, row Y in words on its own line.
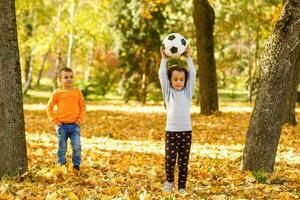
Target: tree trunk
column 56, row 68
column 89, row 61
column 30, row 74
column 58, row 52
column 13, row 152
column 290, row 115
column 69, row 55
column 144, row 88
column 204, row 23
column 277, row 68
column 27, row 63
column 41, row 68
column 252, row 72
column 28, row 30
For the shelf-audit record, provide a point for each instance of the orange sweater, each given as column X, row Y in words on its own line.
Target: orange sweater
column 70, row 106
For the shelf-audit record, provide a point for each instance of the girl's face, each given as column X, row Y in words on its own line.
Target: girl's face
column 178, row 79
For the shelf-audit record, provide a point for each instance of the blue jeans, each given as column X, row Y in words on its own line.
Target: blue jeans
column 64, row 132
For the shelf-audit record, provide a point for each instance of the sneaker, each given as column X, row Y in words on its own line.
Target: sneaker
column 76, row 170
column 182, row 192
column 169, row 186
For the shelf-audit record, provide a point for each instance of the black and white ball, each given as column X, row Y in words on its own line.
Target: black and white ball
column 175, row 45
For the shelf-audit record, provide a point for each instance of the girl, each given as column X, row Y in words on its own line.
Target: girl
column 178, row 88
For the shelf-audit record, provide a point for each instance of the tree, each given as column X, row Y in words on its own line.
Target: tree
column 204, row 23
column 58, row 49
column 141, row 23
column 240, row 32
column 12, row 130
column 279, row 63
column 29, row 29
column 41, row 69
column 71, row 34
column 290, row 115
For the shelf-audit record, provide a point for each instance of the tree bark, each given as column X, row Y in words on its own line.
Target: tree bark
column 89, row 61
column 204, row 23
column 13, row 152
column 56, row 68
column 30, row 58
column 30, row 74
column 71, row 12
column 41, row 68
column 277, row 68
column 252, row 72
column 28, row 51
column 27, row 64
column 58, row 51
column 144, row 88
column 290, row 106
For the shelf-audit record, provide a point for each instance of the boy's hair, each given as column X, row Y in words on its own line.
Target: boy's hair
column 64, row 69
column 179, row 69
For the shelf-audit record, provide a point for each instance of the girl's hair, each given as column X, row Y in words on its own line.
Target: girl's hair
column 179, row 69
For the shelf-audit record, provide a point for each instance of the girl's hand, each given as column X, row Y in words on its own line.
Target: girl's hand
column 187, row 53
column 162, row 52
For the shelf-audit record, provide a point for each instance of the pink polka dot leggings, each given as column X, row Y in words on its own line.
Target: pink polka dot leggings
column 178, row 146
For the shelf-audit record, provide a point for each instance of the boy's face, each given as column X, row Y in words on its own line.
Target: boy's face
column 66, row 79
column 178, row 79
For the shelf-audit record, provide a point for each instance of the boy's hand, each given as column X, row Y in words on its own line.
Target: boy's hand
column 187, row 53
column 162, row 52
column 58, row 124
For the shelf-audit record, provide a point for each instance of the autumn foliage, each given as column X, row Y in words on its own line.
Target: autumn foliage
column 123, row 158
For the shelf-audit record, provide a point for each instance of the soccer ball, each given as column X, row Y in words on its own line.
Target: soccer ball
column 174, row 45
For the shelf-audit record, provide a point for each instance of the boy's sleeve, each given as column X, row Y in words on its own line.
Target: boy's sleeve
column 50, row 108
column 81, row 105
column 163, row 78
column 190, row 84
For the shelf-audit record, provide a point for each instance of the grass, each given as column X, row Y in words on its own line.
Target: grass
column 233, row 95
column 42, row 93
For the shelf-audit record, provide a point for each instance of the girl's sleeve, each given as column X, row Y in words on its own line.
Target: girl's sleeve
column 50, row 108
column 163, row 78
column 190, row 84
column 81, row 105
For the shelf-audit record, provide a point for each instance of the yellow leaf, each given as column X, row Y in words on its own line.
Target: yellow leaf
column 51, row 196
column 73, row 196
column 293, row 176
column 218, row 197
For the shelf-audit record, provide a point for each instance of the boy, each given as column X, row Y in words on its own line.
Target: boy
column 69, row 114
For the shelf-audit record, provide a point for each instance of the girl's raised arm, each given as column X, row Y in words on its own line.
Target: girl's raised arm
column 163, row 76
column 190, row 83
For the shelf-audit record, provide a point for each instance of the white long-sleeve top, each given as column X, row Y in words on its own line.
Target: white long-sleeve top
column 178, row 102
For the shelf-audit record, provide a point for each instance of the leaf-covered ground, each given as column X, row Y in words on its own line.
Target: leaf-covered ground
column 123, row 158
